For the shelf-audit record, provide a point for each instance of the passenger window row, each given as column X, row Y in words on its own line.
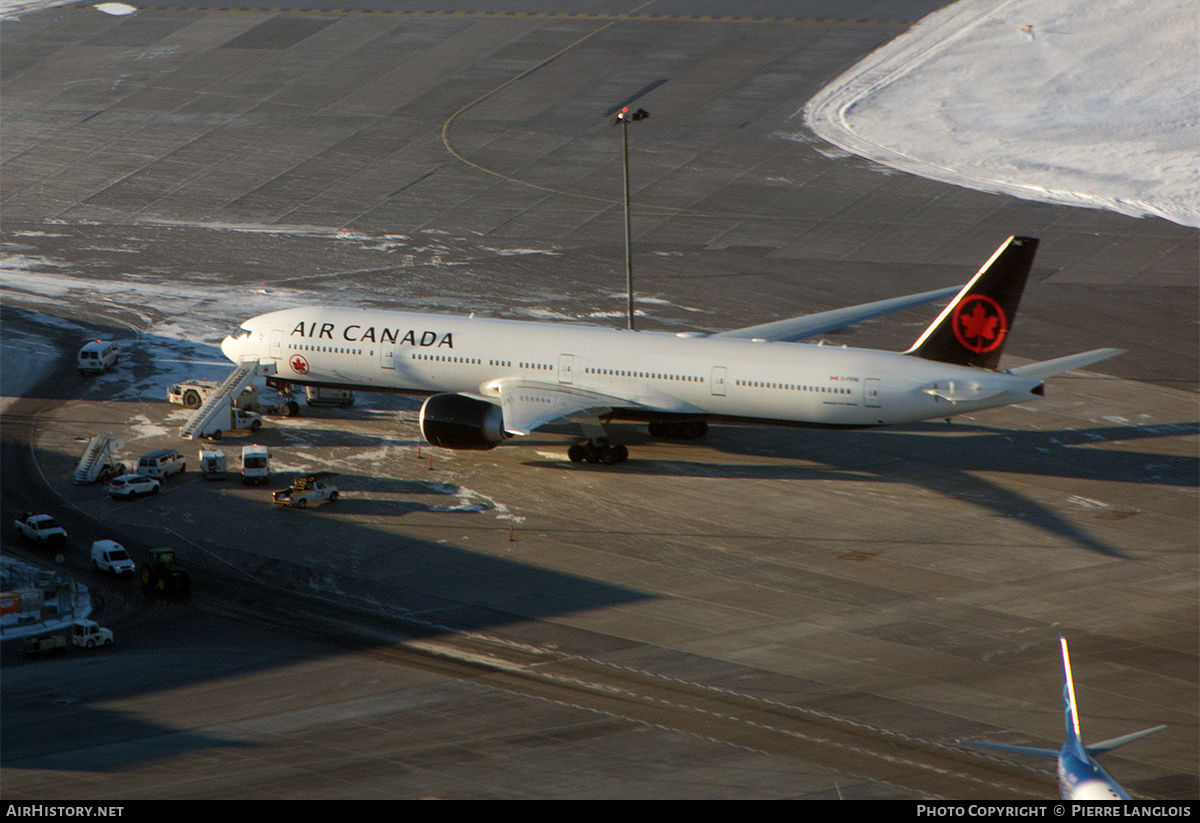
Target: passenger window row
column 684, row 378
column 755, row 384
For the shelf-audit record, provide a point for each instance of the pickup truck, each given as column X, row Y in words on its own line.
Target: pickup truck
column 41, row 528
column 309, row 488
column 238, row 420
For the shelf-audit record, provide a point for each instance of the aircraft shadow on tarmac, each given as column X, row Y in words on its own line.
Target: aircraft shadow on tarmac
column 451, row 590
column 93, row 746
column 430, row 589
column 949, row 465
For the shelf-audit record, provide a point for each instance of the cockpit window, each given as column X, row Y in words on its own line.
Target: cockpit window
column 240, row 333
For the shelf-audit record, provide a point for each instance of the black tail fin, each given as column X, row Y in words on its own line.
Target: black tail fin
column 971, row 331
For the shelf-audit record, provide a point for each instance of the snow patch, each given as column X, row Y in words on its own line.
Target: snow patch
column 116, row 9
column 1076, row 102
column 143, row 428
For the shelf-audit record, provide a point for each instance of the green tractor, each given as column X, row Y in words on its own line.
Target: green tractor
column 161, row 572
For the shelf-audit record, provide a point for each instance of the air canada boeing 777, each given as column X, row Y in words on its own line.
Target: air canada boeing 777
column 488, row 380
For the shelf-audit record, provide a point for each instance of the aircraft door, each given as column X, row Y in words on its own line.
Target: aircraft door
column 871, row 393
column 717, row 383
column 566, row 364
column 387, row 355
column 277, row 344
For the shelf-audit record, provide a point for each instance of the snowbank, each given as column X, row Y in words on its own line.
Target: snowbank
column 15, row 8
column 1071, row 101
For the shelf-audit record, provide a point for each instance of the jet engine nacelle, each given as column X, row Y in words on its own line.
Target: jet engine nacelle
column 455, row 421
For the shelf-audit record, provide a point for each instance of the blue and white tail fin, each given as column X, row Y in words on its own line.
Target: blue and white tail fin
column 1070, row 709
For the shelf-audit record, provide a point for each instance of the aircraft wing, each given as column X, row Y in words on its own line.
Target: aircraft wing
column 1109, row 745
column 1004, row 747
column 809, row 325
column 1049, row 368
column 527, row 404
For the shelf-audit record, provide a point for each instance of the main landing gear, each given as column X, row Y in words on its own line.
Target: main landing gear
column 598, row 451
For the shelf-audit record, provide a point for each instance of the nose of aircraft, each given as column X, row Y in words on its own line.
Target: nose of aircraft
column 229, row 348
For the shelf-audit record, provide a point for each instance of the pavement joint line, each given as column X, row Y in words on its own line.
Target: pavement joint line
column 537, row 16
column 529, row 670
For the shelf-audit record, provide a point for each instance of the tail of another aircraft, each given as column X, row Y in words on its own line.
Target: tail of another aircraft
column 1070, row 710
column 971, row 331
column 1074, row 742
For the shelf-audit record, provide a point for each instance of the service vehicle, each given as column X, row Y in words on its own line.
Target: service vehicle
column 161, row 464
column 322, row 396
column 212, row 464
column 256, row 465
column 129, row 486
column 192, row 393
column 238, row 420
column 97, row 357
column 163, row 573
column 308, row 489
column 41, row 528
column 99, row 460
column 110, row 556
column 88, row 634
column 34, row 646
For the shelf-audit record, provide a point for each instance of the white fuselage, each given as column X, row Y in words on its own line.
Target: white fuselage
column 668, row 373
column 1081, row 778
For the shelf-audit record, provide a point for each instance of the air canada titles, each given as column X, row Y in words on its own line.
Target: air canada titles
column 357, row 334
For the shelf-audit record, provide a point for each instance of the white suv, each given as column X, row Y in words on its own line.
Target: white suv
column 131, row 485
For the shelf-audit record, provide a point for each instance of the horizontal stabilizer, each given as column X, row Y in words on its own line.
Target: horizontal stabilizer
column 810, row 325
column 1109, row 745
column 1050, row 368
column 1051, row 754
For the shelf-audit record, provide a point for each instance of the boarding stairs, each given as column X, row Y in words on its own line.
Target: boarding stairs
column 96, row 457
column 214, row 411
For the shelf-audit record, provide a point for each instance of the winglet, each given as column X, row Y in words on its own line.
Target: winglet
column 972, row 330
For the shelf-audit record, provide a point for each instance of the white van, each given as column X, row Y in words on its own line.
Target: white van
column 256, row 465
column 321, row 396
column 97, row 357
column 212, row 464
column 161, row 464
column 110, row 556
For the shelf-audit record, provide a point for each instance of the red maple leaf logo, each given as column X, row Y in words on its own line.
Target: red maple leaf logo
column 298, row 364
column 979, row 323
